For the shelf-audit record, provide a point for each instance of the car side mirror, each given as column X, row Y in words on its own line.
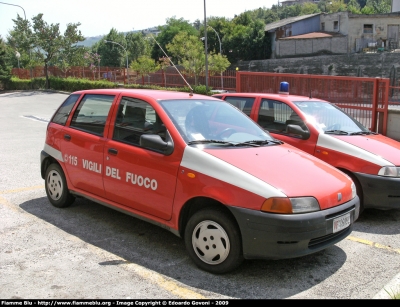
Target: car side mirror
column 156, row 143
column 297, row 130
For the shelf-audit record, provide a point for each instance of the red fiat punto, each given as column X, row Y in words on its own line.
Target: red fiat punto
column 325, row 131
column 200, row 168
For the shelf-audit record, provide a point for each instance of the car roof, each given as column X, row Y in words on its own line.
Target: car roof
column 155, row 94
column 272, row 95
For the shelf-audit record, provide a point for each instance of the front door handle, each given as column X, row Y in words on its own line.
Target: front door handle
column 67, row 137
column 112, row 151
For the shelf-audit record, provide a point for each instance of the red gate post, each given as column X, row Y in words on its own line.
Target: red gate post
column 375, row 94
column 238, row 83
column 383, row 86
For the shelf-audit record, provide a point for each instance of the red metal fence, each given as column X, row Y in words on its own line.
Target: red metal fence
column 109, row 73
column 365, row 99
column 168, row 78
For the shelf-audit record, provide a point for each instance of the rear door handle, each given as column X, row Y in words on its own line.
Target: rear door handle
column 67, row 137
column 112, row 151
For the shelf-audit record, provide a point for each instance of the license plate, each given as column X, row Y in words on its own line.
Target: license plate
column 341, row 222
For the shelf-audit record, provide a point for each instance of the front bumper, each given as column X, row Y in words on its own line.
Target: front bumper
column 280, row 236
column 380, row 192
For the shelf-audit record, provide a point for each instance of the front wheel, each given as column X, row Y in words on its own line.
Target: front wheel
column 213, row 241
column 56, row 187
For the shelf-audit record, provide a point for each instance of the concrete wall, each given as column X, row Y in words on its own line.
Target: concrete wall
column 296, row 47
column 393, row 128
column 356, row 64
column 341, row 18
column 350, row 25
column 379, row 34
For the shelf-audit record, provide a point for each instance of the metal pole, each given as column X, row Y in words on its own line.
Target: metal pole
column 25, row 20
column 15, row 5
column 126, row 52
column 205, row 45
column 127, row 69
column 220, row 52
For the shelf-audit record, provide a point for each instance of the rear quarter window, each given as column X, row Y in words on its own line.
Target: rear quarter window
column 61, row 115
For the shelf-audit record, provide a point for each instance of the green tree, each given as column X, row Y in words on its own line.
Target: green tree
column 245, row 39
column 217, row 63
column 289, row 11
column 354, row 7
column 309, row 8
column 270, row 16
column 189, row 51
column 5, row 70
column 110, row 52
column 216, row 27
column 267, row 15
column 338, row 6
column 173, row 27
column 164, row 64
column 44, row 41
column 92, row 59
column 69, row 56
column 21, row 39
column 377, row 7
column 197, row 24
column 144, row 65
column 138, row 45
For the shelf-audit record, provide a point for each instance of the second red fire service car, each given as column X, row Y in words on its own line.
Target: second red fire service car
column 200, row 168
column 325, row 131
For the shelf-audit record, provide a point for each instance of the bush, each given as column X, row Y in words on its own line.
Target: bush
column 71, row 84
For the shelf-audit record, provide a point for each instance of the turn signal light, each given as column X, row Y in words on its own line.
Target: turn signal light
column 277, row 205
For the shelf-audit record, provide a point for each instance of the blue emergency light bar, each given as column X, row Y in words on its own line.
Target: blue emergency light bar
column 284, row 88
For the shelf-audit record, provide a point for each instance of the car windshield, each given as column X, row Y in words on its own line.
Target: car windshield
column 215, row 123
column 329, row 119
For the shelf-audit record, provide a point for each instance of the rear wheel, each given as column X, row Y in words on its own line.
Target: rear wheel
column 213, row 241
column 56, row 187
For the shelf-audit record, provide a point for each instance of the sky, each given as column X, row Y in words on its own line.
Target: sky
column 97, row 17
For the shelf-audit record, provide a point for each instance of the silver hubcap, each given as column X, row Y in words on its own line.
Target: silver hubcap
column 210, row 242
column 54, row 185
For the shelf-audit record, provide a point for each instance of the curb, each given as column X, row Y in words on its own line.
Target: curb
column 393, row 287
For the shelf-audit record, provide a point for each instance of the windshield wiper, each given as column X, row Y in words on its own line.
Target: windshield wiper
column 257, row 143
column 336, row 132
column 363, row 133
column 254, row 143
column 209, row 141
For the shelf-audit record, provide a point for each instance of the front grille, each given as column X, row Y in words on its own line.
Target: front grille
column 325, row 239
column 287, row 242
column 330, row 216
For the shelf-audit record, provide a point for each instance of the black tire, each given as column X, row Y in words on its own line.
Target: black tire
column 56, row 187
column 213, row 241
column 359, row 189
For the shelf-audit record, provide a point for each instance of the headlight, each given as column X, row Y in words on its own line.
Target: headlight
column 290, row 205
column 389, row 171
column 353, row 190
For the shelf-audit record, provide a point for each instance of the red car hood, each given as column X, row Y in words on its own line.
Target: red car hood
column 291, row 171
column 379, row 145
